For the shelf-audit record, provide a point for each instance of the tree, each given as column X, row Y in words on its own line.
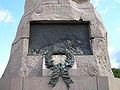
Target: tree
column 116, row 72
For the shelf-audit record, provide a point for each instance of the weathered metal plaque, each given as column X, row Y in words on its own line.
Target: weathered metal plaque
column 72, row 36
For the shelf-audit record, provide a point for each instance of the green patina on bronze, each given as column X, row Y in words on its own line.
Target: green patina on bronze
column 59, row 70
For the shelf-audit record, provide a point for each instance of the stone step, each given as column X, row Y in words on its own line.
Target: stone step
column 41, row 83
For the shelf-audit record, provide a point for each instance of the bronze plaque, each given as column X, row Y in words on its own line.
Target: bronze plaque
column 74, row 36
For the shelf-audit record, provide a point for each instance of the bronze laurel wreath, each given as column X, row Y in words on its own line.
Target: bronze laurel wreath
column 59, row 70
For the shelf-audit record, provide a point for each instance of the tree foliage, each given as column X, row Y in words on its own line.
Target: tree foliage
column 116, row 72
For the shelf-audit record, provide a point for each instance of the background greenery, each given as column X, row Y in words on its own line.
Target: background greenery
column 116, row 72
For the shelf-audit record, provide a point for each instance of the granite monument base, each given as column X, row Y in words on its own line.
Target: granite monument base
column 41, row 83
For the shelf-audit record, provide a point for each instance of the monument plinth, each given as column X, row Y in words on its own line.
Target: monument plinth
column 69, row 31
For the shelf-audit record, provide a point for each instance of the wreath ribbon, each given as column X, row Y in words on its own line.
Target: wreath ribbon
column 59, row 70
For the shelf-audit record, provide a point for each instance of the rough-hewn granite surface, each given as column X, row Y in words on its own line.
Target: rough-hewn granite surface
column 22, row 64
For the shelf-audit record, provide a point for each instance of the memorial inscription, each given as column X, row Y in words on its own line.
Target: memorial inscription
column 55, row 8
column 59, row 35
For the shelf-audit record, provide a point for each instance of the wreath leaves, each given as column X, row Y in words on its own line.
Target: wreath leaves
column 59, row 70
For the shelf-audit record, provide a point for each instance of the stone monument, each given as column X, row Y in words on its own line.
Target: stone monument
column 62, row 43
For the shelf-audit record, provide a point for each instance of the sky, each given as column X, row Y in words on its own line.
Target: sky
column 12, row 11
